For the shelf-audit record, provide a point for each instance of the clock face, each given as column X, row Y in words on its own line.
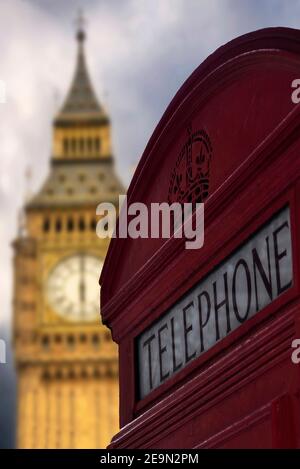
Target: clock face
column 73, row 288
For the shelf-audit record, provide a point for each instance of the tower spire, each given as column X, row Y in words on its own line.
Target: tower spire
column 80, row 24
column 81, row 100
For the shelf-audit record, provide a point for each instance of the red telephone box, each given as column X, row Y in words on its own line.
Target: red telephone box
column 205, row 335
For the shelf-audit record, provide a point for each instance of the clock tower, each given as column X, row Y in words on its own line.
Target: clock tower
column 66, row 361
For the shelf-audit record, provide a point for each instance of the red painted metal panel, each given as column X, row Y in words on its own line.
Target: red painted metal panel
column 244, row 391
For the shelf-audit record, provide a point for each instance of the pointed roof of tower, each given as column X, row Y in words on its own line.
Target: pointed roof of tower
column 81, row 101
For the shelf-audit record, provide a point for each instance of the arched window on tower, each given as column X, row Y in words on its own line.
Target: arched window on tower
column 45, row 342
column 81, row 224
column 74, row 146
column 93, row 224
column 58, row 225
column 66, row 146
column 81, row 145
column 70, row 224
column 46, row 225
column 97, row 145
column 89, row 145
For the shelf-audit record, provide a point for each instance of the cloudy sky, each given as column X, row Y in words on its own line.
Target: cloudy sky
column 138, row 51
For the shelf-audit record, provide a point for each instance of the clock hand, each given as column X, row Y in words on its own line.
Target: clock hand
column 82, row 289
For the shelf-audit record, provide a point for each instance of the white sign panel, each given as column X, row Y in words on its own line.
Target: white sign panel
column 251, row 278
